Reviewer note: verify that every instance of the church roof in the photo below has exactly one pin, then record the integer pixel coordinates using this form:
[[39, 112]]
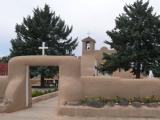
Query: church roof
[[88, 39]]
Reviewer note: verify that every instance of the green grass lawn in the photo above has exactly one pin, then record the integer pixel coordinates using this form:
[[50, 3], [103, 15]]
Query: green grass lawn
[[39, 92]]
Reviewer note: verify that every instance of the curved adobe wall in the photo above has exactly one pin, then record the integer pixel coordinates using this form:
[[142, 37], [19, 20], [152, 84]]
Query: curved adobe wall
[[69, 86]]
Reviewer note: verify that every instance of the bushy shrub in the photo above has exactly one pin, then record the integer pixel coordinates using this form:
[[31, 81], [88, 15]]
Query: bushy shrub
[[36, 93], [97, 102]]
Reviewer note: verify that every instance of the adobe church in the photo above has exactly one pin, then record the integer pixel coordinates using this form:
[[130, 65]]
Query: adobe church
[[91, 58]]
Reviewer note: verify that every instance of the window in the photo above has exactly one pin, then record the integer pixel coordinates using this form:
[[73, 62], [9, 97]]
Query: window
[[88, 46]]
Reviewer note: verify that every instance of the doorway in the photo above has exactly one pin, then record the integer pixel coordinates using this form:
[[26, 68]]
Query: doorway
[[42, 80]]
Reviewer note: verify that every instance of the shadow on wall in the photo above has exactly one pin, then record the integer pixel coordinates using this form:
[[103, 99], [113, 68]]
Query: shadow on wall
[[3, 86]]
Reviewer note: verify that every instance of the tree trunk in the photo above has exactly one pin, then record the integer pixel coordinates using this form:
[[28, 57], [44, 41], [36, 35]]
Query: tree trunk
[[138, 72], [42, 81], [138, 75]]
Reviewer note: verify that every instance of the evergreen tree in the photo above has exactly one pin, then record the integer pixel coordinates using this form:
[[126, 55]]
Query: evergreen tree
[[4, 59], [43, 26], [136, 39]]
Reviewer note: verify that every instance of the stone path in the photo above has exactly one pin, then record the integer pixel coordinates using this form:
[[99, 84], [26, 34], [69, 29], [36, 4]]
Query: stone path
[[46, 110]]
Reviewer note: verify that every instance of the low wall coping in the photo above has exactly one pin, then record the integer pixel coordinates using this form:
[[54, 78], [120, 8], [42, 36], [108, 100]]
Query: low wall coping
[[107, 111]]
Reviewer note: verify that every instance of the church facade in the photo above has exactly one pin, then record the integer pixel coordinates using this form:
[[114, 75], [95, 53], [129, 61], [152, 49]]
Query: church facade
[[91, 58]]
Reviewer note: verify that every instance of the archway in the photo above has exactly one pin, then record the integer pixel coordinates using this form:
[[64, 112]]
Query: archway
[[17, 93]]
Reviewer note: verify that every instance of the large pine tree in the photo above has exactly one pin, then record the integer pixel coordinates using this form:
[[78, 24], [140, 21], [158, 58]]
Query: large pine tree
[[43, 26], [136, 38]]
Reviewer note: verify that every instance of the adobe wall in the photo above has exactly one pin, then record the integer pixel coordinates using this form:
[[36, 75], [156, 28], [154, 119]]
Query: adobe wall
[[124, 74], [3, 85], [87, 65], [112, 86], [70, 85]]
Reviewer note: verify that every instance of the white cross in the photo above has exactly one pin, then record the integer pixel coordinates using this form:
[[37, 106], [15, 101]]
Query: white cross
[[43, 48]]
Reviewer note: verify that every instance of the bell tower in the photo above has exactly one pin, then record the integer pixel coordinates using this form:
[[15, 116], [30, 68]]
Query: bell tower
[[88, 46]]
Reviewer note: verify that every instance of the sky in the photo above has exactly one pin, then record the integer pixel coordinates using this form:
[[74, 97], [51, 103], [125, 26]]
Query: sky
[[94, 16]]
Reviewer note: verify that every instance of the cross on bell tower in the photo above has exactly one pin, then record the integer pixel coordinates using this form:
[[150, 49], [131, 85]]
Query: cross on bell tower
[[88, 33]]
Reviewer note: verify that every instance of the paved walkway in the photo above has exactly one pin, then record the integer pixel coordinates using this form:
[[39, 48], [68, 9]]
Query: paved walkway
[[46, 110]]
